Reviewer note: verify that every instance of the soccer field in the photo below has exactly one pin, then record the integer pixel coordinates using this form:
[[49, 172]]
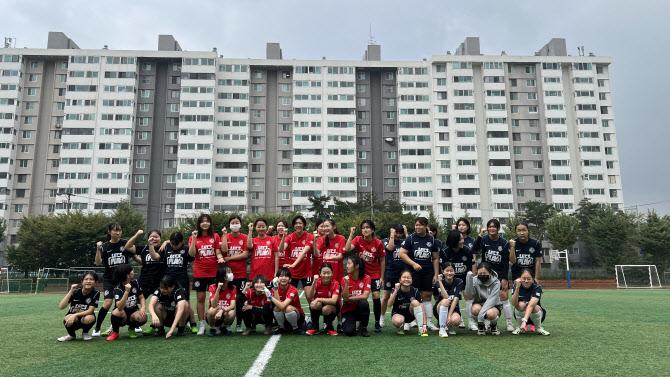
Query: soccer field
[[592, 333]]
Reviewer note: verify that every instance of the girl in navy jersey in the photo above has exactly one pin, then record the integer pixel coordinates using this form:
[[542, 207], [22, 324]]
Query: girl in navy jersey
[[463, 226], [420, 252], [372, 251], [525, 252], [257, 310], [496, 251], [463, 260], [407, 306], [355, 292], [130, 307], [83, 302], [485, 288], [110, 254], [394, 264], [235, 254], [286, 305], [526, 295], [326, 300], [169, 306], [222, 300], [204, 247], [152, 270], [446, 306]]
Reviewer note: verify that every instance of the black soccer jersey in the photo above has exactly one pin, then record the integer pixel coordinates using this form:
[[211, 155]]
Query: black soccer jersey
[[462, 260], [469, 242], [113, 255], [404, 299], [169, 302], [421, 251], [176, 261], [525, 295], [133, 296], [152, 270], [525, 255], [80, 303], [394, 265], [496, 253], [453, 290]]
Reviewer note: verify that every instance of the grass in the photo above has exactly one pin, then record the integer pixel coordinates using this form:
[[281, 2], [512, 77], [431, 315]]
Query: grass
[[593, 332]]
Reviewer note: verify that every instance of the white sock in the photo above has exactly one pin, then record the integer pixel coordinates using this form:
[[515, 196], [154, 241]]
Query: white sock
[[519, 317], [428, 308], [419, 316], [537, 319], [279, 316], [444, 313], [507, 310], [292, 318], [468, 309], [202, 323]]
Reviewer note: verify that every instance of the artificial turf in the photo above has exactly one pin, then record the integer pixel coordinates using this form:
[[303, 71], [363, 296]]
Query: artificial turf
[[593, 332]]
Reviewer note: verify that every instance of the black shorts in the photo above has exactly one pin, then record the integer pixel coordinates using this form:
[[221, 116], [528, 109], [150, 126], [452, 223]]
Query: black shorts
[[375, 285], [202, 284], [239, 285], [389, 283], [108, 287], [409, 316], [169, 318], [422, 282], [304, 282], [148, 287]]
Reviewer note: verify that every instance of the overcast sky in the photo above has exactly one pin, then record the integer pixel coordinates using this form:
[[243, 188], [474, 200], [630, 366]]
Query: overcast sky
[[630, 32]]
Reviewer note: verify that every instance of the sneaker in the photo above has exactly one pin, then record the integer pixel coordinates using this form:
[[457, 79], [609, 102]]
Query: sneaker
[[113, 336], [531, 328], [312, 332], [401, 330], [194, 330], [406, 327], [149, 331], [542, 331], [308, 322], [267, 331], [331, 332], [298, 331], [494, 329], [108, 332], [378, 327], [228, 328], [219, 330], [223, 331], [132, 334], [462, 324], [413, 324], [381, 322], [66, 338], [510, 327], [238, 328], [212, 332], [516, 331], [443, 332], [432, 327], [339, 328], [138, 330], [86, 336], [473, 327], [451, 331], [160, 332], [279, 331], [481, 329], [96, 333], [246, 332], [423, 334], [364, 332], [201, 330]]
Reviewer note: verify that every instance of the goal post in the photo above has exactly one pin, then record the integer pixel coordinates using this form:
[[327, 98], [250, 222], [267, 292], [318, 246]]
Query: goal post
[[557, 255], [639, 276], [52, 280], [4, 276]]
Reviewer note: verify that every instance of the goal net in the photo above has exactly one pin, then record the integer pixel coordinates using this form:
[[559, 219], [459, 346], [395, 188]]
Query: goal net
[[59, 280], [14, 282], [4, 274], [637, 276]]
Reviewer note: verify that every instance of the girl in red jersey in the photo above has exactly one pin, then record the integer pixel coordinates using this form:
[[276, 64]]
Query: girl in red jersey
[[299, 245], [222, 300], [257, 309], [235, 254], [204, 246], [331, 248], [264, 257], [326, 302], [286, 305], [355, 292], [371, 250], [318, 232]]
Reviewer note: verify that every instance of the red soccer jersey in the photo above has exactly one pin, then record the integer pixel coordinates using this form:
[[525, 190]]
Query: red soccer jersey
[[205, 256], [335, 248], [262, 258], [255, 300], [370, 254], [226, 296], [291, 293], [284, 255], [236, 246], [327, 291], [296, 246], [356, 288]]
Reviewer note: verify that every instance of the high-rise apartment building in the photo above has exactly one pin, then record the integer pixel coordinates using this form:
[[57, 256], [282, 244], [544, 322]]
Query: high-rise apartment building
[[181, 132]]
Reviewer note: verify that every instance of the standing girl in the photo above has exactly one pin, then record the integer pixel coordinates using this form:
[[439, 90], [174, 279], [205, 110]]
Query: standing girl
[[355, 292], [222, 300], [326, 302], [111, 254], [152, 270], [204, 247], [236, 256], [371, 250], [484, 288], [131, 306], [299, 248], [264, 257], [394, 265], [526, 252], [83, 302], [331, 249], [446, 307], [407, 305]]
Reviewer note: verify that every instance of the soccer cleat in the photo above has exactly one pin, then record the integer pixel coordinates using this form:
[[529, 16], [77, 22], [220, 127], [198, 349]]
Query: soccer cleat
[[194, 329], [531, 328], [331, 332], [432, 327], [462, 324], [481, 329], [228, 328], [510, 327], [473, 327], [298, 331], [451, 331], [422, 334], [218, 330], [413, 324], [364, 332], [443, 332], [312, 332], [149, 331], [212, 332], [201, 330], [542, 331], [108, 332], [381, 322], [494, 329], [238, 328], [160, 331], [132, 334], [279, 331], [113, 336], [138, 330], [96, 333], [267, 331], [66, 338], [516, 331], [246, 332], [378, 327], [86, 336], [401, 331]]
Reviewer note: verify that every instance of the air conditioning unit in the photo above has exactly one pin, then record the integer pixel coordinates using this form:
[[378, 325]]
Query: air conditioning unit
[[59, 125]]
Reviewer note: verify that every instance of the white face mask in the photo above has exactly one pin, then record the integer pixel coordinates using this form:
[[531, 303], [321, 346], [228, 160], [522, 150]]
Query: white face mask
[[229, 277], [235, 227]]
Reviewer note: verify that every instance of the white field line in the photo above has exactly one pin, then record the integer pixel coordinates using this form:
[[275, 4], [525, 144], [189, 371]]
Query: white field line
[[263, 358]]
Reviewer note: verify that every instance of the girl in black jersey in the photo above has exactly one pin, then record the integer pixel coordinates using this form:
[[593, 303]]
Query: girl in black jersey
[[83, 302], [169, 307], [111, 254], [447, 307], [407, 305], [152, 270], [130, 304], [526, 295]]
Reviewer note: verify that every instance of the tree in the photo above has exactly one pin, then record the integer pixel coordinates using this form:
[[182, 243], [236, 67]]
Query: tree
[[3, 229], [536, 215], [319, 207], [562, 231], [610, 237], [655, 239], [584, 214], [130, 218]]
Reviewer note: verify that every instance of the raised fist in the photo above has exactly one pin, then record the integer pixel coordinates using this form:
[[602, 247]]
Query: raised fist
[[251, 227], [194, 234], [128, 286], [99, 244], [224, 231], [219, 286], [453, 227], [353, 229], [483, 231], [397, 286], [440, 276], [405, 228], [140, 232], [73, 287], [316, 277], [247, 285], [392, 232], [512, 243], [517, 282], [346, 279]]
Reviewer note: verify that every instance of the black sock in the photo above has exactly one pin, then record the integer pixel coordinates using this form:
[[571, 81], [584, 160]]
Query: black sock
[[377, 308], [102, 313], [239, 304], [86, 327], [315, 313], [116, 323], [194, 325], [328, 320], [180, 329], [70, 330]]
